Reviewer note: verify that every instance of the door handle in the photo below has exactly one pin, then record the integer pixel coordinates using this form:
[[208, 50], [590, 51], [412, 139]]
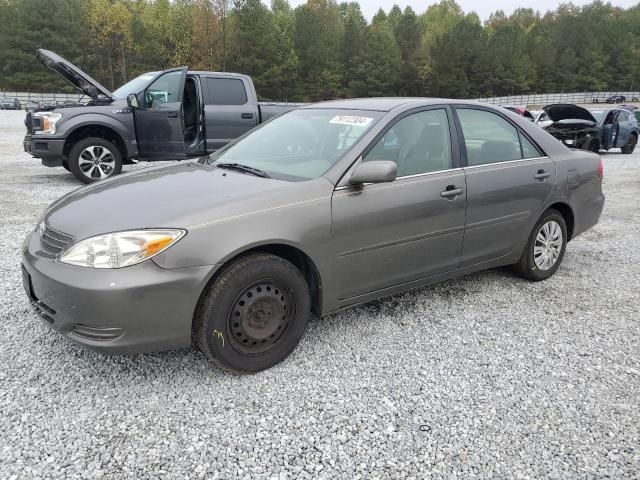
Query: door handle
[[451, 192], [172, 114], [541, 175], [246, 116]]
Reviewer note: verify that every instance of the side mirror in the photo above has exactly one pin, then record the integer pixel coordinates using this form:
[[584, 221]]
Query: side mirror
[[132, 100], [378, 171]]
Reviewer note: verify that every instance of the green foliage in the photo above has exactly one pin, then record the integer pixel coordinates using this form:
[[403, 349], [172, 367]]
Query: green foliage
[[323, 49]]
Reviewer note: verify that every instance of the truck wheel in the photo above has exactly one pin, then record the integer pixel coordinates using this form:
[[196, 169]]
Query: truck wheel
[[65, 165], [254, 314], [93, 159], [630, 146]]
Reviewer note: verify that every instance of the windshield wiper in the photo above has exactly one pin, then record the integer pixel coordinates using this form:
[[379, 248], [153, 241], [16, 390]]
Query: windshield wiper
[[244, 168]]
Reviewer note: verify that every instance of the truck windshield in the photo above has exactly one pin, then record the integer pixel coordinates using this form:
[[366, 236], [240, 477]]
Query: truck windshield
[[301, 144], [135, 85]]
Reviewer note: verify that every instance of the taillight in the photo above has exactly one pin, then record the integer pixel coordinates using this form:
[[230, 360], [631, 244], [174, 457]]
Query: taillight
[[601, 170]]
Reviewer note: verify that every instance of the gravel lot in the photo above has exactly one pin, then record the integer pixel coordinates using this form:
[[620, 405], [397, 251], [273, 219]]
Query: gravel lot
[[487, 376]]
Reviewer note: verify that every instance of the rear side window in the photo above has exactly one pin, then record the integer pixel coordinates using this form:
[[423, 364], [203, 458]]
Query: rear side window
[[489, 138], [623, 116], [225, 91]]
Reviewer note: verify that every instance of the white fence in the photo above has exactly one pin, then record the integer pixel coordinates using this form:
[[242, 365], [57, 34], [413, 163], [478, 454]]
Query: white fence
[[541, 100], [29, 99]]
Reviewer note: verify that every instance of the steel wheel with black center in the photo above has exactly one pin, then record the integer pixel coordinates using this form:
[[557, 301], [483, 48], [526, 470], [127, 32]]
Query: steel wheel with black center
[[254, 313]]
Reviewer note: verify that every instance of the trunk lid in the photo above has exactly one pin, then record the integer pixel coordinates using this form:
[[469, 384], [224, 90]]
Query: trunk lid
[[74, 75]]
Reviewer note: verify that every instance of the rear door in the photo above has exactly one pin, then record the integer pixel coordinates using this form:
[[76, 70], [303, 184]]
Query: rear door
[[508, 181], [158, 117], [229, 110], [391, 233]]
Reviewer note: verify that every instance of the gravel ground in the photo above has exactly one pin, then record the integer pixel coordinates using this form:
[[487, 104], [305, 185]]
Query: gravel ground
[[487, 376]]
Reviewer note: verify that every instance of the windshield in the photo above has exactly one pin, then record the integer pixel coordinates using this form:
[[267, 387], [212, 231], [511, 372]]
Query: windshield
[[135, 85], [597, 114], [301, 144]]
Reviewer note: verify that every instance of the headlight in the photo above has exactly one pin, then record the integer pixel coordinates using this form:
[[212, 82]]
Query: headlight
[[48, 122], [120, 249]]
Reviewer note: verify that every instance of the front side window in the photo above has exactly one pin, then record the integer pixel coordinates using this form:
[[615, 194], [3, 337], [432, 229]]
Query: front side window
[[165, 89], [489, 138], [418, 143], [301, 144], [226, 91]]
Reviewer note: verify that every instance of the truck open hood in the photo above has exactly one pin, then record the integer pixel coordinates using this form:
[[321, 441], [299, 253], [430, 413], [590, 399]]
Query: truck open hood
[[567, 111], [74, 75]]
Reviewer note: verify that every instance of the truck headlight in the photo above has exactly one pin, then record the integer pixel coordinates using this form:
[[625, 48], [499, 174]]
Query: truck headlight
[[120, 249], [48, 122]]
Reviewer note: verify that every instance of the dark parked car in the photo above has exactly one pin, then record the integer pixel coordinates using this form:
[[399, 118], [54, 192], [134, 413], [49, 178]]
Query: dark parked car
[[594, 130], [10, 104], [166, 115], [616, 99], [322, 208]]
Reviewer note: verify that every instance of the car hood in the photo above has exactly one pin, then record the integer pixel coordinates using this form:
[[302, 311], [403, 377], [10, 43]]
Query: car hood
[[74, 75], [186, 195], [566, 111]]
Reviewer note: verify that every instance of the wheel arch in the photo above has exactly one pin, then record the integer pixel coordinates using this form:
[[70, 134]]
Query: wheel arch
[[288, 252], [567, 213], [95, 130]]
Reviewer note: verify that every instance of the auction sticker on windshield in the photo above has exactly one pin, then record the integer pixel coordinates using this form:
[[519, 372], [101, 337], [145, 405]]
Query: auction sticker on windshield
[[351, 120]]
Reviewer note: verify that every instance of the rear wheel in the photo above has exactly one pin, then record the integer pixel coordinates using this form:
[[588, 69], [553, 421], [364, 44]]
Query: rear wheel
[[545, 247], [93, 159], [254, 314], [630, 146]]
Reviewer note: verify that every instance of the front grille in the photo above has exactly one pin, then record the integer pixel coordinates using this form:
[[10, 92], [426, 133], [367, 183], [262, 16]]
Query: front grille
[[28, 122], [53, 242]]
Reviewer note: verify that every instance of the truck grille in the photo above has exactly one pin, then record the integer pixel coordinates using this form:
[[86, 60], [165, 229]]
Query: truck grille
[[54, 242]]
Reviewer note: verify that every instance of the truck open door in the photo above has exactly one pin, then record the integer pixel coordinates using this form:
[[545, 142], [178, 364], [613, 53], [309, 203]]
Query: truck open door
[[157, 112]]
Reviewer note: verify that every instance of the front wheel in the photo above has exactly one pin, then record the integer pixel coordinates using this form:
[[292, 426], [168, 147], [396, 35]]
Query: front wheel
[[545, 248], [630, 146], [254, 314], [93, 159]]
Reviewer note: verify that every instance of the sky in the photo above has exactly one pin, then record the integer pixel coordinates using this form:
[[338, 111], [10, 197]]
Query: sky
[[482, 8]]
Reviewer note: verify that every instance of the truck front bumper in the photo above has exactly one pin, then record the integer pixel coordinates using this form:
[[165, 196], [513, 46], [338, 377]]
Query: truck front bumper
[[142, 308], [49, 150]]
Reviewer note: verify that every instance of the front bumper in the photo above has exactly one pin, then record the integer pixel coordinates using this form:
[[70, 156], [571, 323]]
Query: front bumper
[[142, 308], [50, 150]]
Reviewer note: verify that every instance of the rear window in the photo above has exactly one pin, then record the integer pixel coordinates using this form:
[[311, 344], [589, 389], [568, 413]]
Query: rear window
[[225, 91]]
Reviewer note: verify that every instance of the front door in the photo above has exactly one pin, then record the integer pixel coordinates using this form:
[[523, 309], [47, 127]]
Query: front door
[[228, 110], [392, 233], [610, 132], [625, 127], [158, 117], [508, 181]]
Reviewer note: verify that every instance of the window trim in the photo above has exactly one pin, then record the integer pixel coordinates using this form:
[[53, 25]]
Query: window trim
[[463, 148]]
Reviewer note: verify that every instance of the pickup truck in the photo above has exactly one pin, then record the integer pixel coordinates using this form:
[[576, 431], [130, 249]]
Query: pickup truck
[[169, 115]]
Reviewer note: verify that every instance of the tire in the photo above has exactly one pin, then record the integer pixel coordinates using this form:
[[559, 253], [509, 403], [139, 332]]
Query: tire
[[84, 155], [254, 314], [630, 146], [537, 269], [65, 165]]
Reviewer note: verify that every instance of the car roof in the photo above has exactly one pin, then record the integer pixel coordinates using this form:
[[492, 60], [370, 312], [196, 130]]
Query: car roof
[[386, 104]]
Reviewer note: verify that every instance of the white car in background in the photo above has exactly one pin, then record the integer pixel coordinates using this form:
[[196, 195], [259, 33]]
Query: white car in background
[[541, 118]]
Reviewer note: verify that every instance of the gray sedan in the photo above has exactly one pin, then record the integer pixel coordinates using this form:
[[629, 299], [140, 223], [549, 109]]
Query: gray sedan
[[322, 208]]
